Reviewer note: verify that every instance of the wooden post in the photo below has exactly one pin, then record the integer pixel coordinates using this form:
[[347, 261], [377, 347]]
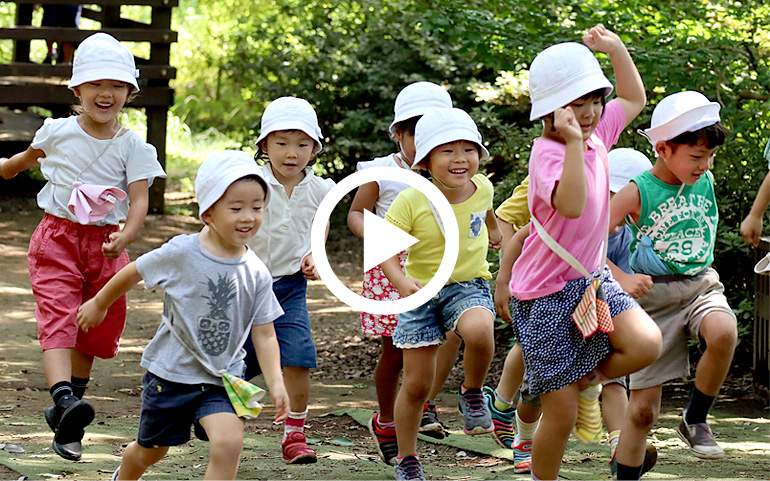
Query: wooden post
[[156, 135], [23, 17]]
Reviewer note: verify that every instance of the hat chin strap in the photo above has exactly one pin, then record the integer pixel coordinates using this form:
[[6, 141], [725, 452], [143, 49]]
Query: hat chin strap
[[433, 177]]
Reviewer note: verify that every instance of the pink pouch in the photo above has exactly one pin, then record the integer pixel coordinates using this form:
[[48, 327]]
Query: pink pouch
[[91, 203]]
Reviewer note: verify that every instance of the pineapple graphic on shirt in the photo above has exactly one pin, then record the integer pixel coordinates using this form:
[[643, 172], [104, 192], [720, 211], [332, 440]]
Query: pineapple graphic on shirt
[[214, 329]]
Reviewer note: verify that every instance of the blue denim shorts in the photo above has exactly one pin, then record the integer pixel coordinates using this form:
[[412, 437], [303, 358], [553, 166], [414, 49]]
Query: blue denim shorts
[[427, 324], [170, 409]]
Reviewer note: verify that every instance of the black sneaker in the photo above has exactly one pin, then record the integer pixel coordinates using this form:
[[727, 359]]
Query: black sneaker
[[429, 424], [700, 439], [384, 439], [67, 420]]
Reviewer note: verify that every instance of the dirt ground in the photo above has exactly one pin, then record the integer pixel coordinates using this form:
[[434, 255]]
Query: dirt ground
[[342, 394]]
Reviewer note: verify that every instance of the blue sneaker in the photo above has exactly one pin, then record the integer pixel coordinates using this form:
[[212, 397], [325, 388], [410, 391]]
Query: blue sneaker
[[408, 469], [476, 417], [503, 420]]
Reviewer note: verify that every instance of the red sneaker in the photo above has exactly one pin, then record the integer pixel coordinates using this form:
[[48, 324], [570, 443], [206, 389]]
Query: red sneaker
[[296, 450]]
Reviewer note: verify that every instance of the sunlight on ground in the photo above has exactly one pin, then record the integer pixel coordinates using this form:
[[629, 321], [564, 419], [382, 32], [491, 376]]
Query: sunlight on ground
[[14, 290]]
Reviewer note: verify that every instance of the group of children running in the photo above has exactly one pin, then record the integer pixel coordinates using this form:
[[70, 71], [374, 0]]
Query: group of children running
[[601, 293]]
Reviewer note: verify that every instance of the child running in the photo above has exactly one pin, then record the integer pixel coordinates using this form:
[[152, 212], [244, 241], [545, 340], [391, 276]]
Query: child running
[[674, 219], [291, 138], [568, 198], [217, 292], [412, 102], [449, 148], [89, 162]]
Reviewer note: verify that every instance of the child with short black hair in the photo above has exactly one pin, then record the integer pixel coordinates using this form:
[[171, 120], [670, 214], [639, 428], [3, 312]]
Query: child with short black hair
[[674, 220], [217, 292]]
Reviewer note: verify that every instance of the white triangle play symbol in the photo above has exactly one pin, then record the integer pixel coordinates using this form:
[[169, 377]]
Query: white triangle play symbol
[[382, 240]]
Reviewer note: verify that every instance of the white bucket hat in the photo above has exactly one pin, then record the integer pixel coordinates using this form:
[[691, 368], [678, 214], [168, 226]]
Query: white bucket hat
[[678, 113], [441, 126], [625, 164], [562, 73], [101, 57], [416, 99], [290, 113], [219, 171]]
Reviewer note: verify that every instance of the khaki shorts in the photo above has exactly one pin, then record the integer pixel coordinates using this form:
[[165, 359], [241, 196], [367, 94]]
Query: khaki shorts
[[678, 308]]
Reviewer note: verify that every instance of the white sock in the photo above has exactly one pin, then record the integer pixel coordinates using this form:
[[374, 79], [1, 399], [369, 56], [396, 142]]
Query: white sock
[[525, 431]]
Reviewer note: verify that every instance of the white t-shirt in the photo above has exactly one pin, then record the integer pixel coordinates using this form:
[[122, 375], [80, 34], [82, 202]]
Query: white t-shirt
[[389, 189], [68, 151], [283, 240]]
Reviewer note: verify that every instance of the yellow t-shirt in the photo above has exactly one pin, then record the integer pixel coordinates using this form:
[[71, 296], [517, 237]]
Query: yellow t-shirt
[[411, 213], [514, 210]]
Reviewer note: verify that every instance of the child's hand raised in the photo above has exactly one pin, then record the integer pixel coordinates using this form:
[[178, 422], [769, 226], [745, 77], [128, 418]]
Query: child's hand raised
[[599, 39], [566, 124]]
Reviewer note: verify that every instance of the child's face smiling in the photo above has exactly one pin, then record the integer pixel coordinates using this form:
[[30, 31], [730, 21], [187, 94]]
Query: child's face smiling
[[683, 164], [102, 100], [588, 112], [289, 152], [454, 163], [235, 218]]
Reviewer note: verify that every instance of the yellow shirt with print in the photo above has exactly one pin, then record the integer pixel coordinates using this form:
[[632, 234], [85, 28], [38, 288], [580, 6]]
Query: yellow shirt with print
[[515, 210], [411, 213]]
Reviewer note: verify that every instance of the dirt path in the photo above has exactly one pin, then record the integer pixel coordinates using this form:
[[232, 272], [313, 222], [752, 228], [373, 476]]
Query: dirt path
[[343, 381]]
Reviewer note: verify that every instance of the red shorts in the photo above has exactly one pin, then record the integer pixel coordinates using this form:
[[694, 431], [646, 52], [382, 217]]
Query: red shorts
[[66, 268]]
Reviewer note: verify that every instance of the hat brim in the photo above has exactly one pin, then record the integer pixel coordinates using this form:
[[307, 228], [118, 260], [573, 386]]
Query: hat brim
[[292, 125], [94, 74], [565, 96], [451, 135], [689, 121]]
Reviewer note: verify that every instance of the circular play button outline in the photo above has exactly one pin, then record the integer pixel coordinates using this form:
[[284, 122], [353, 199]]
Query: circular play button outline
[[446, 217]]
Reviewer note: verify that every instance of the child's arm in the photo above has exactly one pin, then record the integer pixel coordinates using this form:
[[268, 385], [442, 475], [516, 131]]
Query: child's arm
[[569, 195], [511, 252], [308, 264], [751, 227], [628, 83], [627, 202], [139, 197], [495, 234], [92, 312], [269, 357], [365, 198], [20, 162], [406, 285]]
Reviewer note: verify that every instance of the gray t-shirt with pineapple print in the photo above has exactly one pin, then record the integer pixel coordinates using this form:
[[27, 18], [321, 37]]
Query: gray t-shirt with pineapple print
[[210, 302]]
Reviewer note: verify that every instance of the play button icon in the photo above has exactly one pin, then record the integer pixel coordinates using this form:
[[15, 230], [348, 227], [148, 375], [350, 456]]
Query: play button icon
[[382, 240]]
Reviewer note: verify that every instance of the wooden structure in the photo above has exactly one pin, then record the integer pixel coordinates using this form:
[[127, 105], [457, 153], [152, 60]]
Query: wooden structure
[[24, 83]]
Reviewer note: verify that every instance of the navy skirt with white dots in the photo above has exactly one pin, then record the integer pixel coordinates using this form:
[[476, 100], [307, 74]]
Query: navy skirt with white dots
[[555, 352]]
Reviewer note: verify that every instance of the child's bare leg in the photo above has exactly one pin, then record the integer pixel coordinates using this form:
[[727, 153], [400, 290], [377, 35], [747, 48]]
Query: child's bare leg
[[81, 364], [614, 405], [513, 373], [475, 326], [720, 334], [386, 375], [445, 361], [57, 365], [419, 372], [225, 432], [559, 416], [137, 459], [641, 414], [636, 344], [297, 381]]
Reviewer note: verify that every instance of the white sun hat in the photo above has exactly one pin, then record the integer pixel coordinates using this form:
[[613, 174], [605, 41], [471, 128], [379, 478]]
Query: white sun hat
[[562, 73], [678, 113], [102, 57], [219, 171], [290, 113], [625, 164], [441, 126], [416, 99]]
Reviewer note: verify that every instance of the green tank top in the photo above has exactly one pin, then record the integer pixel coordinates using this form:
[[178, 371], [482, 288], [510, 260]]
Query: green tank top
[[681, 225]]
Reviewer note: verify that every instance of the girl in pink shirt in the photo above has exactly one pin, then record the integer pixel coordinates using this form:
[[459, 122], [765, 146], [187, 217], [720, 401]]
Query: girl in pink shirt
[[569, 201]]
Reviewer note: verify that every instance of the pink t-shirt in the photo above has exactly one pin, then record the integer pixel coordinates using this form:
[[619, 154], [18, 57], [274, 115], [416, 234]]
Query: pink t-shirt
[[539, 271]]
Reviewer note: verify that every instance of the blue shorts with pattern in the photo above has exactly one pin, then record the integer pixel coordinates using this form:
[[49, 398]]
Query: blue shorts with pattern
[[427, 324], [555, 352]]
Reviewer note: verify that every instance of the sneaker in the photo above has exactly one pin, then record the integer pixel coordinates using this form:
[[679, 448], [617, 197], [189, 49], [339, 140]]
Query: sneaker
[[476, 417], [67, 420], [408, 468], [429, 424], [522, 456], [384, 439], [296, 450], [650, 458], [700, 439], [588, 427], [502, 420]]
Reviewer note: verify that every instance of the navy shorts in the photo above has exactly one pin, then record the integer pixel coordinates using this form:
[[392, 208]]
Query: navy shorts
[[170, 409], [292, 329]]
